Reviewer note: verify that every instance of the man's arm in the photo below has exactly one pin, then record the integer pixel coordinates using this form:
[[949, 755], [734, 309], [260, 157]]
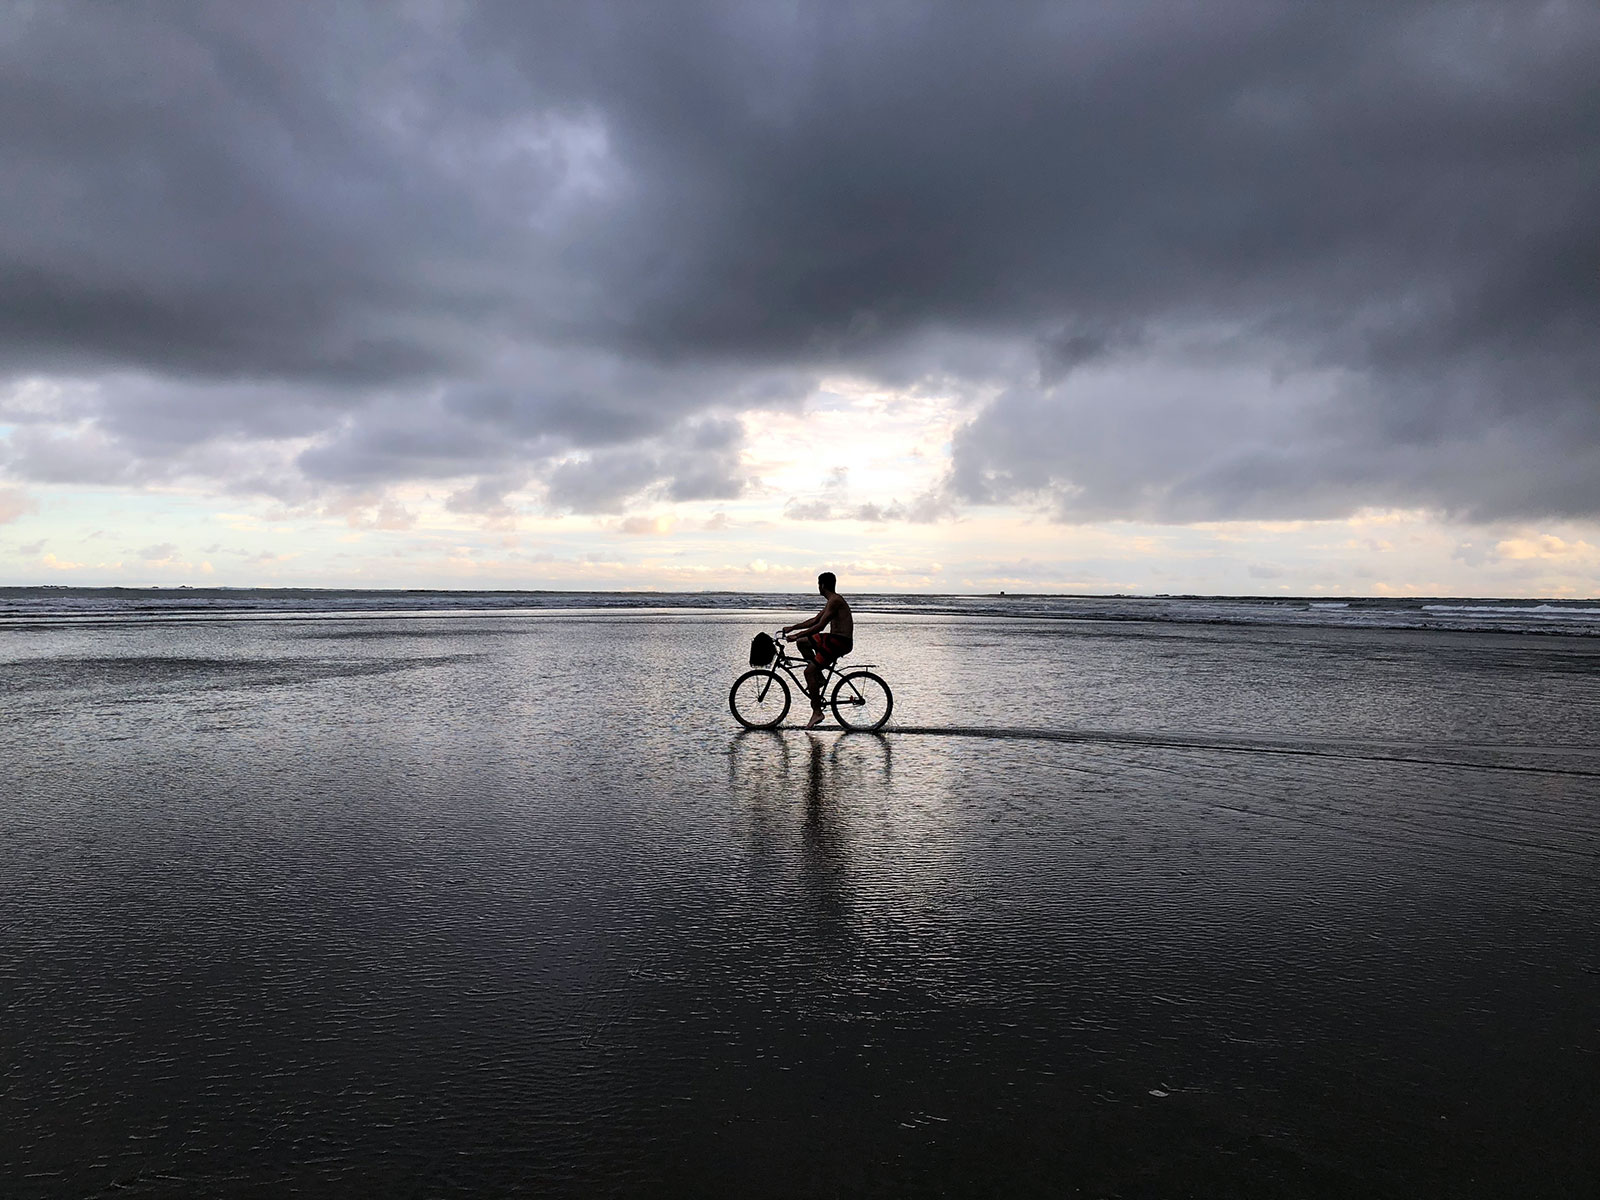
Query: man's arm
[[811, 625]]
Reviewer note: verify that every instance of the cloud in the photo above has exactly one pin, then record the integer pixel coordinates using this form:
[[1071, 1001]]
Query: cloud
[[1187, 262], [696, 461], [1188, 440], [366, 512], [14, 502], [161, 553], [808, 510], [833, 502], [1546, 547], [486, 497], [393, 516], [822, 510]]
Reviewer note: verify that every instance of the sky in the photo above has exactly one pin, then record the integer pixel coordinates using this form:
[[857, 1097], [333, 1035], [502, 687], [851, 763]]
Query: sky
[[1153, 297]]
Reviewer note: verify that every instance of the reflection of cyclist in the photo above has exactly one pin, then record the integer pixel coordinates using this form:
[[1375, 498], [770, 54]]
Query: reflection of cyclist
[[821, 648]]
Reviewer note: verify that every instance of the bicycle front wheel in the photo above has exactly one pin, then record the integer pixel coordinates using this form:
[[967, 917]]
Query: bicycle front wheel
[[862, 701], [759, 699]]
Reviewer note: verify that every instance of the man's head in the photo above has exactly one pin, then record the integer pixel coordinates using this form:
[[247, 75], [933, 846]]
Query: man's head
[[825, 583]]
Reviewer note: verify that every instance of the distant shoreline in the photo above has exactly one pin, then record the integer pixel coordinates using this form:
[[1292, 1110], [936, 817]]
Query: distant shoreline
[[43, 606]]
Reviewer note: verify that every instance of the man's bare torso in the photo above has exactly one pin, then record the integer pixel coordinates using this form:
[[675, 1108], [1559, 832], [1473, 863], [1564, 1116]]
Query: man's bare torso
[[839, 617]]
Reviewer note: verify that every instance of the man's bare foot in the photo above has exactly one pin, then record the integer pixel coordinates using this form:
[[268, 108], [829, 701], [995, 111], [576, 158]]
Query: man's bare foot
[[816, 718]]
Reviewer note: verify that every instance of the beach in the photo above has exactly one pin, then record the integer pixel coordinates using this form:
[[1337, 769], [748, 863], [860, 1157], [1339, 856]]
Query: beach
[[460, 897]]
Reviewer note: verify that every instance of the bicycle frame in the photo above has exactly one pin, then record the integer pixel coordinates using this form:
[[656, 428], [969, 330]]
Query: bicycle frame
[[787, 662]]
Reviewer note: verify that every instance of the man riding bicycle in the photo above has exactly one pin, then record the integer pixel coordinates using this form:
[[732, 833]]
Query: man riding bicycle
[[821, 648]]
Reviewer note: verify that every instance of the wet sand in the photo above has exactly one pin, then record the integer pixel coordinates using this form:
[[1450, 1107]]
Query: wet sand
[[508, 904]]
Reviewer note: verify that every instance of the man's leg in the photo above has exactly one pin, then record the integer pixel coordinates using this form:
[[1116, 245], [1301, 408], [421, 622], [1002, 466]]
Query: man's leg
[[813, 676], [814, 686]]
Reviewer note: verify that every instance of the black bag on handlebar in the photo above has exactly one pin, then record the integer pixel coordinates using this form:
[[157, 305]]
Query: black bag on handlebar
[[762, 650]]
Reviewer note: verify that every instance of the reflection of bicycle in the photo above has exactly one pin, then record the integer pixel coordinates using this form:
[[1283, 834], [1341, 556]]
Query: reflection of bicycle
[[760, 698]]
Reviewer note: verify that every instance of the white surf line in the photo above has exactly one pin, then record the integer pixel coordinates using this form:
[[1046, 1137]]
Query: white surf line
[[1159, 741]]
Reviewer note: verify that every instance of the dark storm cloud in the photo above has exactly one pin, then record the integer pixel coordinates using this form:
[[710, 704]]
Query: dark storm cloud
[[1267, 259]]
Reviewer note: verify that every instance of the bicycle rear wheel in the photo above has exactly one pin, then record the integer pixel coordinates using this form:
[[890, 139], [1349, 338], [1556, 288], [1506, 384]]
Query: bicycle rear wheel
[[862, 701], [759, 699]]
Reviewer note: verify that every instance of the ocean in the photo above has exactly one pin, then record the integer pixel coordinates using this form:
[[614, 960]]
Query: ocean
[[332, 893], [1564, 616]]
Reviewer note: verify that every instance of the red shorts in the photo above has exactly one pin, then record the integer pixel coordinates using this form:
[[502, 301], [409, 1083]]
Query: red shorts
[[831, 646]]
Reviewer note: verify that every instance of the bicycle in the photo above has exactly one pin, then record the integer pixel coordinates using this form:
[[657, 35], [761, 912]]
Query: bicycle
[[760, 697]]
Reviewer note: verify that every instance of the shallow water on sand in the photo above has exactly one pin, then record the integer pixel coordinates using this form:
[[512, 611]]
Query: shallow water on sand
[[496, 904]]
